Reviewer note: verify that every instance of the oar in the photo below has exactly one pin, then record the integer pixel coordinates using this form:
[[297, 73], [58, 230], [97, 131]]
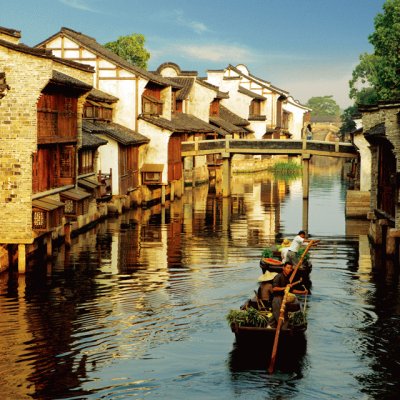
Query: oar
[[282, 309], [279, 326], [310, 244], [277, 331]]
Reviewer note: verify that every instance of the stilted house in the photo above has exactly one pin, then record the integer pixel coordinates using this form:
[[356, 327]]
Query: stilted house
[[117, 164], [138, 92], [381, 125], [198, 113], [271, 111], [41, 103]]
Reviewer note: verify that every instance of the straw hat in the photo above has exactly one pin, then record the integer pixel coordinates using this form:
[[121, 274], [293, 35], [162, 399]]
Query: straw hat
[[291, 298], [267, 276], [285, 243]]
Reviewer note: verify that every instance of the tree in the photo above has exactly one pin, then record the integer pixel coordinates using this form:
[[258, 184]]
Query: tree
[[379, 72], [324, 106], [131, 48], [347, 118]]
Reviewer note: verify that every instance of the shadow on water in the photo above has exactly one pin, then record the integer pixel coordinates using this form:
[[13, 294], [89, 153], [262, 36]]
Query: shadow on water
[[290, 359]]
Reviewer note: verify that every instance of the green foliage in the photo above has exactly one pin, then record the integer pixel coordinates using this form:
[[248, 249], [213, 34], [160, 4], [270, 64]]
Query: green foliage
[[131, 48], [297, 318], [249, 317], [267, 253], [324, 106], [285, 168], [379, 72], [348, 124], [300, 253]]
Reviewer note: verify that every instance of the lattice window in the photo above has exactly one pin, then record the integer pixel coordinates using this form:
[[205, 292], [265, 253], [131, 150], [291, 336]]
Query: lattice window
[[69, 207], [39, 219]]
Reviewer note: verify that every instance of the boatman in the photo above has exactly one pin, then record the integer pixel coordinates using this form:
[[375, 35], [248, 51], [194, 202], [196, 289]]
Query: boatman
[[292, 254], [278, 290]]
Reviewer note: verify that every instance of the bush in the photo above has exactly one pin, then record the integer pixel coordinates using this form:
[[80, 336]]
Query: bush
[[249, 317]]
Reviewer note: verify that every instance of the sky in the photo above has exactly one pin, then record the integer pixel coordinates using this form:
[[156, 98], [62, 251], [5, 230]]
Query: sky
[[306, 47]]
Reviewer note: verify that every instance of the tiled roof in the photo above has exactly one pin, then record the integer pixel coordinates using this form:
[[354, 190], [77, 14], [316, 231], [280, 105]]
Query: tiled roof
[[377, 130], [22, 48], [98, 95], [186, 83], [10, 32], [186, 122], [115, 131], [90, 141], [220, 95], [180, 122], [92, 45], [62, 79], [231, 117], [177, 69], [226, 125], [261, 82], [249, 93]]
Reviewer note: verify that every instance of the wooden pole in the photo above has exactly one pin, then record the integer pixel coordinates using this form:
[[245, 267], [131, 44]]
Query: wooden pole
[[282, 309], [278, 330]]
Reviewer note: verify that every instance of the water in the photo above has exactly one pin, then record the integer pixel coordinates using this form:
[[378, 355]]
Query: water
[[136, 308]]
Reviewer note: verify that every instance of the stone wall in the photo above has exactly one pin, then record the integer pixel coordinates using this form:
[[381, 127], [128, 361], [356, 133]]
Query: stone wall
[[26, 76]]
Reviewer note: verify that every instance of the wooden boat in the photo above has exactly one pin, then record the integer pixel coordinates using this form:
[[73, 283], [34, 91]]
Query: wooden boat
[[276, 265], [292, 329]]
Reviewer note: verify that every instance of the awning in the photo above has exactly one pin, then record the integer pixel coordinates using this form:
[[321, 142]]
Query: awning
[[152, 168], [88, 183], [75, 194], [47, 204]]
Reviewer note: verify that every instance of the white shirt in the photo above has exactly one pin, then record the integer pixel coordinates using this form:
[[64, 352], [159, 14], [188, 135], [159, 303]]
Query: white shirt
[[296, 243], [284, 253]]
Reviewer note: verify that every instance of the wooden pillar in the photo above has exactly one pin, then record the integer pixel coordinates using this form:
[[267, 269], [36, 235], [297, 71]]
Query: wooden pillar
[[67, 234], [226, 214], [306, 175], [172, 193], [21, 259], [49, 246], [226, 176], [163, 195], [305, 216]]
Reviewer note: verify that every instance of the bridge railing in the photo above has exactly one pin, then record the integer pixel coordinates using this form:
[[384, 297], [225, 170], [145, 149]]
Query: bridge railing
[[270, 146]]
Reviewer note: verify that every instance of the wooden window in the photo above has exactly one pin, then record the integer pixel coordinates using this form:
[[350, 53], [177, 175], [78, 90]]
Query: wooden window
[[179, 106], [57, 117], [67, 164], [151, 100], [174, 158], [92, 110], [86, 161], [152, 174], [255, 107], [39, 219], [214, 108], [151, 106]]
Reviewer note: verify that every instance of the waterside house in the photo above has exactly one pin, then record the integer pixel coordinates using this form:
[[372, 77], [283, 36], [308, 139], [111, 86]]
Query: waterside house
[[41, 104], [140, 93], [381, 125]]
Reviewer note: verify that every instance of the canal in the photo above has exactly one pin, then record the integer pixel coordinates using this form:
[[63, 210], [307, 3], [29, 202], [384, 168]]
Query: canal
[[136, 308]]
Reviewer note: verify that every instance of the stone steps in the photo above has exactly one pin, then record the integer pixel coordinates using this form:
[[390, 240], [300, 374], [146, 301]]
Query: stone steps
[[357, 204]]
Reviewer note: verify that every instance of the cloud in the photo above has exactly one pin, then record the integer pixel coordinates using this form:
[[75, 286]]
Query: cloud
[[204, 52], [195, 26], [79, 5]]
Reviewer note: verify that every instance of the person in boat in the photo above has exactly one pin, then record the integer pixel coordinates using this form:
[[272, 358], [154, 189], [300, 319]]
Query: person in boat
[[292, 253], [264, 292], [279, 284], [284, 248]]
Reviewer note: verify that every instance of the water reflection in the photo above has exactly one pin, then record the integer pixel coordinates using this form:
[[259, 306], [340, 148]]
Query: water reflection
[[136, 307]]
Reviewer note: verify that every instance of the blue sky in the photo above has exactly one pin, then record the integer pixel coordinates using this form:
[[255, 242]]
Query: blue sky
[[308, 47]]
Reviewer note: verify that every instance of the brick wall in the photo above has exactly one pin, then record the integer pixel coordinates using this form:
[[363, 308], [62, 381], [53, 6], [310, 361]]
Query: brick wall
[[387, 114], [26, 75]]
